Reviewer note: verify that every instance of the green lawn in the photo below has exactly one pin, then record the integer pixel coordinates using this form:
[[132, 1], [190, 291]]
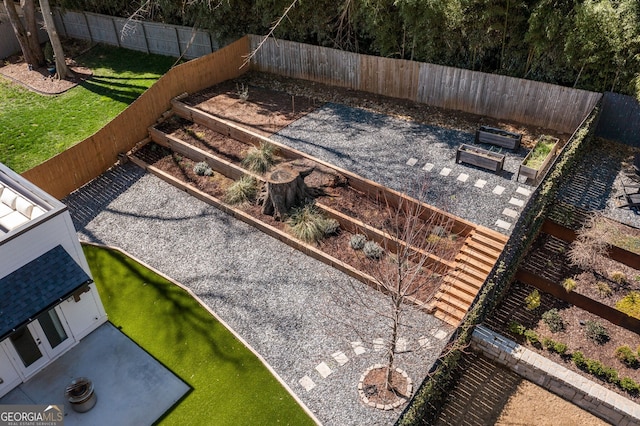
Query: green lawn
[[35, 127], [230, 385]]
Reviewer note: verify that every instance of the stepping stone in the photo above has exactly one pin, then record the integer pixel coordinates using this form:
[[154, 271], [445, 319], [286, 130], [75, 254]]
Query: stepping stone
[[445, 171], [402, 345], [358, 348], [323, 369], [502, 224], [378, 344], [423, 341], [440, 335], [340, 357], [510, 213], [498, 190], [523, 191], [412, 161], [516, 202], [428, 167], [307, 383], [480, 183], [463, 177]]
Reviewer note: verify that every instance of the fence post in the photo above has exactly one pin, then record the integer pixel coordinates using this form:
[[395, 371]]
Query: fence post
[[144, 33], [175, 29], [61, 18], [115, 30], [86, 22]]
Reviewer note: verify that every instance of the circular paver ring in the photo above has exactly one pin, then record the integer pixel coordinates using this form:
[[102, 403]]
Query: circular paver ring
[[397, 403]]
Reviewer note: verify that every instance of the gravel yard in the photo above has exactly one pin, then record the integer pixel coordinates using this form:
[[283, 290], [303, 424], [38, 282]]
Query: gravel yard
[[293, 310], [378, 147]]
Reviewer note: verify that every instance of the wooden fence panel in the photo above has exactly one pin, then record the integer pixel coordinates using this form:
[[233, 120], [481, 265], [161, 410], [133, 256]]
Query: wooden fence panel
[[508, 98], [85, 161]]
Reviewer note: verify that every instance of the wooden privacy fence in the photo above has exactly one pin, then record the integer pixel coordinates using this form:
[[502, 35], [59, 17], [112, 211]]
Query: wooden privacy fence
[[81, 163], [525, 101]]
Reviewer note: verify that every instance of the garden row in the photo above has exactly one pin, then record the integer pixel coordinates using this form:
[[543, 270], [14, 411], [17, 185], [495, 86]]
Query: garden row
[[230, 167]]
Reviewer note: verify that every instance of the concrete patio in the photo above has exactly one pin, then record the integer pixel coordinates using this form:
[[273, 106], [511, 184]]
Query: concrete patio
[[132, 388]]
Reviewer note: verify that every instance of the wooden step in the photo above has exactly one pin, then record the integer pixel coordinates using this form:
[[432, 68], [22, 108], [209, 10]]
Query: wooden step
[[488, 242], [478, 242], [469, 279], [471, 271], [490, 233], [455, 292], [454, 301], [449, 314], [477, 254], [464, 260], [452, 282]]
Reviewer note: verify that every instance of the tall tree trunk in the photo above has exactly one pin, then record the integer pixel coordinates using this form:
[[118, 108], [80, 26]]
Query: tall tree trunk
[[21, 34], [61, 65], [29, 9], [393, 342]]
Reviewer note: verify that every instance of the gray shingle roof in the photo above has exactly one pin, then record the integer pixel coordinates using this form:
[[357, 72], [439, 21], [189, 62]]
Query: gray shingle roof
[[36, 287]]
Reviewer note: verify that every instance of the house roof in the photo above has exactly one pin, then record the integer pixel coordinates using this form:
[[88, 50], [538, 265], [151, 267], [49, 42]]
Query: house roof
[[36, 287]]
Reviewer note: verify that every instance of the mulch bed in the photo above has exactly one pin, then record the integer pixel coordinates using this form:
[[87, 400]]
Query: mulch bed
[[513, 308]]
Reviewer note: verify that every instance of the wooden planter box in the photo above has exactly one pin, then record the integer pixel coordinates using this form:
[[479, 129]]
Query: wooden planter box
[[480, 157], [498, 137], [535, 173]]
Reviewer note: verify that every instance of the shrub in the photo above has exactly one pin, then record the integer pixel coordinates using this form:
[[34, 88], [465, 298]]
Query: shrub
[[331, 227], [553, 320], [533, 300], [604, 289], [373, 250], [202, 169], [629, 385], [516, 328], [618, 277], [532, 337], [579, 360], [560, 348], [630, 304], [307, 223], [433, 239], [548, 343], [569, 284], [626, 355], [260, 159], [242, 191], [596, 332], [357, 241]]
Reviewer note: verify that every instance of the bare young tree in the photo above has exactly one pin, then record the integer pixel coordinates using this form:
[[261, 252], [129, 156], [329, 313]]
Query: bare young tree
[[407, 266], [591, 245]]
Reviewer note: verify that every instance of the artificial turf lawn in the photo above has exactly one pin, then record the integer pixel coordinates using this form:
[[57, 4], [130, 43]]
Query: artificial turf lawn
[[34, 127], [230, 384]]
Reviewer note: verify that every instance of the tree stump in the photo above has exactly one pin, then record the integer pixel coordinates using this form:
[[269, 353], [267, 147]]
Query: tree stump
[[285, 188]]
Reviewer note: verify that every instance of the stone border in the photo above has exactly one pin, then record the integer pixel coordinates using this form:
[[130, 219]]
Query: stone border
[[571, 386], [397, 403]]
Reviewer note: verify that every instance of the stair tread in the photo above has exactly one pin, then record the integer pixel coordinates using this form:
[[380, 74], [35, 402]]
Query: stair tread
[[453, 293], [478, 254], [494, 235], [488, 242], [469, 279], [468, 288], [464, 261]]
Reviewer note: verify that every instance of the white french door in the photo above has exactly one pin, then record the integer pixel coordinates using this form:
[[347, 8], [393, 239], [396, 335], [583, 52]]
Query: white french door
[[38, 342]]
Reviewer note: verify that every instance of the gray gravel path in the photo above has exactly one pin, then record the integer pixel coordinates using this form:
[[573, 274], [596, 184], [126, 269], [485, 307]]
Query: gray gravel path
[[378, 147], [293, 310]]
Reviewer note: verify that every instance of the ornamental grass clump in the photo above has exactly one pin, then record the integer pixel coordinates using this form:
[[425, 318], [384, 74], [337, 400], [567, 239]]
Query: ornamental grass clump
[[309, 224], [533, 300], [260, 159], [242, 191], [202, 169], [569, 285], [357, 241], [626, 355], [373, 250]]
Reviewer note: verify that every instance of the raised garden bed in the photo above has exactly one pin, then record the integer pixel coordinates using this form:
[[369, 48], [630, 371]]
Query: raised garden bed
[[539, 157], [573, 334], [480, 157], [498, 137]]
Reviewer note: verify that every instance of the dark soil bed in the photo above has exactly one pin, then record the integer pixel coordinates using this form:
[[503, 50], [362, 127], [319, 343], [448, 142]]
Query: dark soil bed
[[513, 308]]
